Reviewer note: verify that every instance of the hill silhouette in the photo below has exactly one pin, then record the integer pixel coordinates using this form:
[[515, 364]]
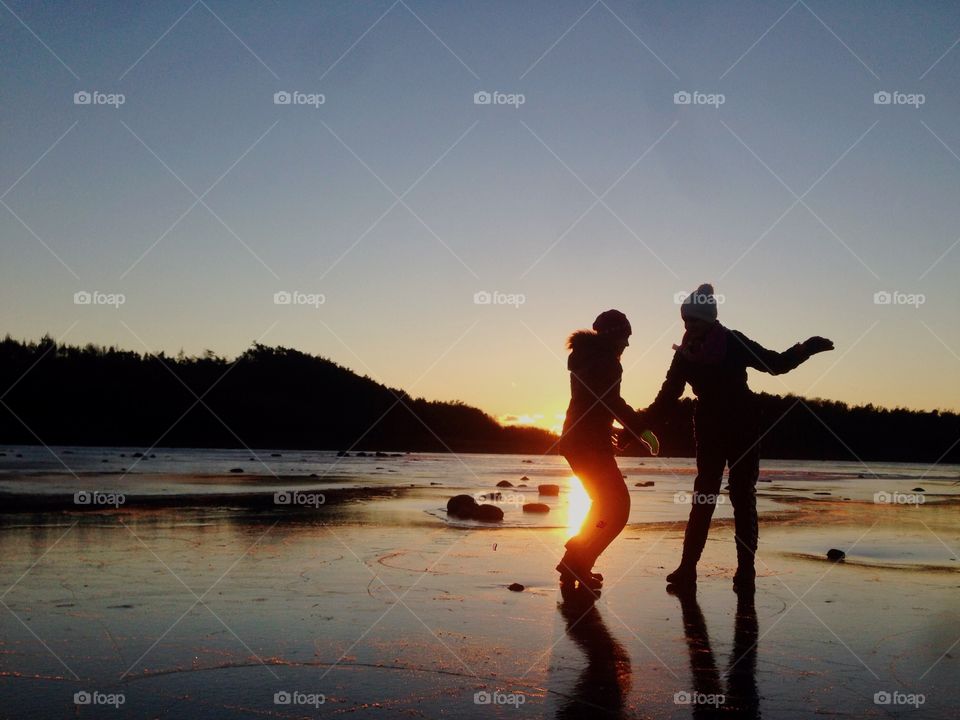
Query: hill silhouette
[[268, 397], [277, 397]]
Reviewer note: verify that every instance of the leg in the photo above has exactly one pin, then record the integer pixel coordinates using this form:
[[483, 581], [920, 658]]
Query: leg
[[744, 471], [609, 509], [608, 514], [710, 463]]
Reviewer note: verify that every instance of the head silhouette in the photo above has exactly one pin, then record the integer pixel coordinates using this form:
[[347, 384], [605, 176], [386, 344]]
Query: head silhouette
[[699, 311], [613, 325]]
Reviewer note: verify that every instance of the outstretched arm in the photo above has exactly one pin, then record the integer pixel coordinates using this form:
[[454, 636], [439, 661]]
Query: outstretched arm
[[666, 400], [646, 422], [778, 363]]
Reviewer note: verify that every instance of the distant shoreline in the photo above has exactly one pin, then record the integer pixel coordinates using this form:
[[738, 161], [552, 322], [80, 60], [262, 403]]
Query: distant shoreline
[[8, 452], [283, 398]]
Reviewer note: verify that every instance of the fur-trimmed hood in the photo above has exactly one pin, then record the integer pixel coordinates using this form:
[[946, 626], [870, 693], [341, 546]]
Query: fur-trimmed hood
[[588, 348]]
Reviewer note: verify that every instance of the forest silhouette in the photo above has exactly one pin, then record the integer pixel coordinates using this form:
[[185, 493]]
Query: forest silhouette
[[277, 397]]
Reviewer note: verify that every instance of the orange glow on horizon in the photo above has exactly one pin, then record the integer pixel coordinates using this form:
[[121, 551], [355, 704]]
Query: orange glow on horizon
[[553, 423]]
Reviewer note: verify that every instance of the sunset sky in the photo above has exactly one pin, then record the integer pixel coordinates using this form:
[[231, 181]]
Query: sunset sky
[[585, 184]]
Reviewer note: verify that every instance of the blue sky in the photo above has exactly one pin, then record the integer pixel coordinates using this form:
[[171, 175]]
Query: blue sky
[[398, 198]]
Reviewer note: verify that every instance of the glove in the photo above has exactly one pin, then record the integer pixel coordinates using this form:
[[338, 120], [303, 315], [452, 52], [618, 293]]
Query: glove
[[817, 344], [650, 440], [624, 438]]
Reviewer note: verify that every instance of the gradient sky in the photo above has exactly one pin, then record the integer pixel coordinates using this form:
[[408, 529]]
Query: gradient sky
[[798, 197]]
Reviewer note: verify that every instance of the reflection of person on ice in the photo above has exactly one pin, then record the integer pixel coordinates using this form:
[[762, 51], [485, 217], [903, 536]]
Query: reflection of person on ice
[[587, 444], [714, 360]]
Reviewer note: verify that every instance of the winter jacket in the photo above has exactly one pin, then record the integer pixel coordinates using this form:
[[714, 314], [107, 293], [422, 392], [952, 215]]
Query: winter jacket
[[721, 387], [595, 402]]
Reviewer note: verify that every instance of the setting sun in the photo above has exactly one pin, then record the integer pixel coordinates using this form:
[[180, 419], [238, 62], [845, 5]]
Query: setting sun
[[578, 505]]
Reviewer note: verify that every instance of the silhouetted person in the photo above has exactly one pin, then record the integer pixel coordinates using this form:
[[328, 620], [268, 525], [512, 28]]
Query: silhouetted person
[[714, 361], [741, 698], [587, 442], [604, 684]]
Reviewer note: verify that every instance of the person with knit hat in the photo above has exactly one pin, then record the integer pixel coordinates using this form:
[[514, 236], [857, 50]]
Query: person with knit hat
[[587, 443], [714, 361]]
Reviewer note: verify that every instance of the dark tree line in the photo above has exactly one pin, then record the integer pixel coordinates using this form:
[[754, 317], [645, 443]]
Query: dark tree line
[[814, 429], [276, 397], [268, 397]]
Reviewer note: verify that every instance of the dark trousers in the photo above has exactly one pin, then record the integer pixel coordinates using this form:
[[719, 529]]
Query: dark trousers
[[719, 443], [609, 509]]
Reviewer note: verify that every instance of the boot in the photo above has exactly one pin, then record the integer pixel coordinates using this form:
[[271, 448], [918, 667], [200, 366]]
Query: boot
[[684, 576], [573, 575], [578, 597], [745, 578], [694, 539]]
